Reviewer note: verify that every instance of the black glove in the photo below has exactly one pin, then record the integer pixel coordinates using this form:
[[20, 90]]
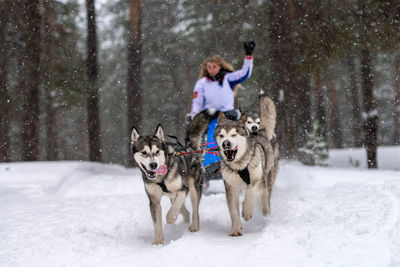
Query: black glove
[[249, 47], [233, 114]]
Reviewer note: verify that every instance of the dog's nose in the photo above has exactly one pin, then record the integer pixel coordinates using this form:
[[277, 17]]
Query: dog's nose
[[254, 128], [153, 165], [226, 144]]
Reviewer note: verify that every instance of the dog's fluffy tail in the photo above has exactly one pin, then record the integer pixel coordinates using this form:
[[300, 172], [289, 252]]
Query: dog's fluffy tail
[[268, 115]]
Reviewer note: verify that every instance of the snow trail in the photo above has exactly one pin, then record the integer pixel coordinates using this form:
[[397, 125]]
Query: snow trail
[[91, 214]]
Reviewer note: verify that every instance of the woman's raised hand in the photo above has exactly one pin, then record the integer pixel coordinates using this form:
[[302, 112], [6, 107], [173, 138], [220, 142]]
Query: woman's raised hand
[[249, 47]]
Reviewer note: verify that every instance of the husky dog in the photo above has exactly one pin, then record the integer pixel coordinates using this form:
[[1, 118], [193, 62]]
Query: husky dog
[[248, 162], [253, 122], [266, 126], [165, 173]]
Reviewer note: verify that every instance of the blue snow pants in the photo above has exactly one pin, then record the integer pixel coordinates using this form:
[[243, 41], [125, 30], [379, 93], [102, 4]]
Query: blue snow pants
[[211, 158]]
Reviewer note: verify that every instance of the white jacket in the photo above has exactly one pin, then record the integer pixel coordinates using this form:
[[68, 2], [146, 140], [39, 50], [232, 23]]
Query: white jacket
[[209, 94]]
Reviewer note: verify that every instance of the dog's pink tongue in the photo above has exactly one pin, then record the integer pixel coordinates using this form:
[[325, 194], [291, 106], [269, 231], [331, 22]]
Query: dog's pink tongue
[[162, 170]]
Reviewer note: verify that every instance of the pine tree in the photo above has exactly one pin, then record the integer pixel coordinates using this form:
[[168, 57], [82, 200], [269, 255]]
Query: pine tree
[[316, 150]]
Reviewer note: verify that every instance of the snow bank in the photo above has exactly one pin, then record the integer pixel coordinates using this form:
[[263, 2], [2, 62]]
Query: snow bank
[[90, 214]]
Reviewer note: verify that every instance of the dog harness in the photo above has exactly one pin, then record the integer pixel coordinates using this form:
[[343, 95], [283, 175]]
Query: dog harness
[[245, 175], [163, 187]]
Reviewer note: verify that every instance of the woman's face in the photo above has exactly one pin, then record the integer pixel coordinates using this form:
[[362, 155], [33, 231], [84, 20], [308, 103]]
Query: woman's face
[[213, 68]]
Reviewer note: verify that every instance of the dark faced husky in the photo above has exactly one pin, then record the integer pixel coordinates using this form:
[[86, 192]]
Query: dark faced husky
[[248, 162], [266, 125], [165, 173], [253, 122]]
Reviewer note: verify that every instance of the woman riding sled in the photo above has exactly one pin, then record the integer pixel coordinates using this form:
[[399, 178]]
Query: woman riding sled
[[215, 91]]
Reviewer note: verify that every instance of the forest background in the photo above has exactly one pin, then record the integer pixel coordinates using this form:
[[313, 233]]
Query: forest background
[[75, 76]]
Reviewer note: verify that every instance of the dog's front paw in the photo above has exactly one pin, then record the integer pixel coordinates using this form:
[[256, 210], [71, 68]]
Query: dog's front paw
[[158, 242], [246, 214], [266, 210], [194, 228], [236, 232], [171, 217]]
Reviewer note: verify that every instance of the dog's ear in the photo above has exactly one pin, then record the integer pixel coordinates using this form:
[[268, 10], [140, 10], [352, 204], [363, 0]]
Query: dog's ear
[[159, 133], [134, 135], [221, 117], [244, 117]]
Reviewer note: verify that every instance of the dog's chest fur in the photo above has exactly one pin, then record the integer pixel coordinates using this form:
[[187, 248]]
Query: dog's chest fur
[[253, 163], [174, 184]]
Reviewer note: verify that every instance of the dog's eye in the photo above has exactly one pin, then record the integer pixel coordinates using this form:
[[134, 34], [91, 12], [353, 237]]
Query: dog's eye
[[249, 122], [157, 152], [221, 136], [144, 153], [233, 135], [258, 122]]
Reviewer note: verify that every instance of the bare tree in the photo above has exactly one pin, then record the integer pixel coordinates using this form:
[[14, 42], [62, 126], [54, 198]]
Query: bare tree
[[355, 96], [4, 98], [281, 56], [48, 65], [304, 111], [335, 125], [320, 104], [396, 107], [31, 79], [176, 55], [371, 112], [134, 91], [366, 35], [93, 97]]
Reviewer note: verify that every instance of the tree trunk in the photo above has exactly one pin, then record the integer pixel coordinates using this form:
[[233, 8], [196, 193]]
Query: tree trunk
[[355, 96], [134, 91], [31, 80], [304, 111], [281, 56], [371, 113], [320, 105], [396, 107], [176, 56], [335, 125], [48, 64], [92, 73], [4, 98], [179, 103]]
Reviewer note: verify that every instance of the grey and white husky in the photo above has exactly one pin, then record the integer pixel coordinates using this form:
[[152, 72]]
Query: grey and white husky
[[248, 162], [165, 173]]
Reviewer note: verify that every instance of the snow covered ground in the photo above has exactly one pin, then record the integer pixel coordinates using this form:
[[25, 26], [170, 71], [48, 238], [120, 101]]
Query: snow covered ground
[[90, 214]]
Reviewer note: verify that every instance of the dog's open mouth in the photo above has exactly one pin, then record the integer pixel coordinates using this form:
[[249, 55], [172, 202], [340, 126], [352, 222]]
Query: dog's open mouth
[[151, 174], [230, 154]]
